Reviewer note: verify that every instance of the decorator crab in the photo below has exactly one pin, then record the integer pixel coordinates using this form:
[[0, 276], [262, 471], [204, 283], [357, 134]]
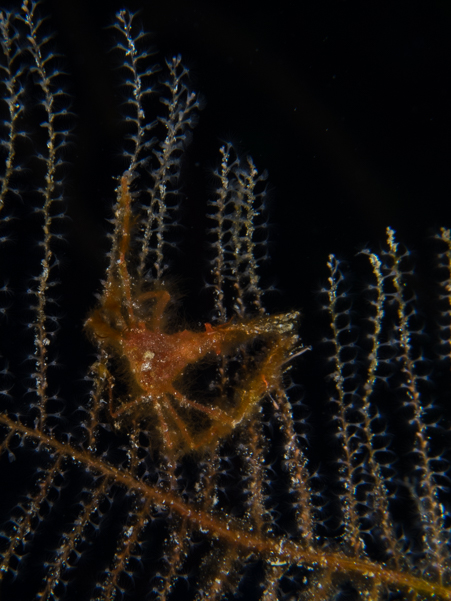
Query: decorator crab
[[233, 365]]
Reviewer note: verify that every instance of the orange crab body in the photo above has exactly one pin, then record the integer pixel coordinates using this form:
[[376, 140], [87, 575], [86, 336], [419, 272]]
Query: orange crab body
[[157, 361]]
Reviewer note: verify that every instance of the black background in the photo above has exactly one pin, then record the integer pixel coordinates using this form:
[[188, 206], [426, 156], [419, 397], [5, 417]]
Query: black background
[[346, 104]]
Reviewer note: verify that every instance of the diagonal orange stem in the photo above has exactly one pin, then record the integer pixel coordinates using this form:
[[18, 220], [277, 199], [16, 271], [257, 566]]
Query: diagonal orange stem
[[232, 532]]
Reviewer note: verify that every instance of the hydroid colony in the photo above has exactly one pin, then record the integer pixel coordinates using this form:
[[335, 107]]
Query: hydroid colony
[[183, 474]]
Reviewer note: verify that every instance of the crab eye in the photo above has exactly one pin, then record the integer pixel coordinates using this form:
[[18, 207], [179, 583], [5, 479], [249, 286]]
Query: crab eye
[[147, 361]]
